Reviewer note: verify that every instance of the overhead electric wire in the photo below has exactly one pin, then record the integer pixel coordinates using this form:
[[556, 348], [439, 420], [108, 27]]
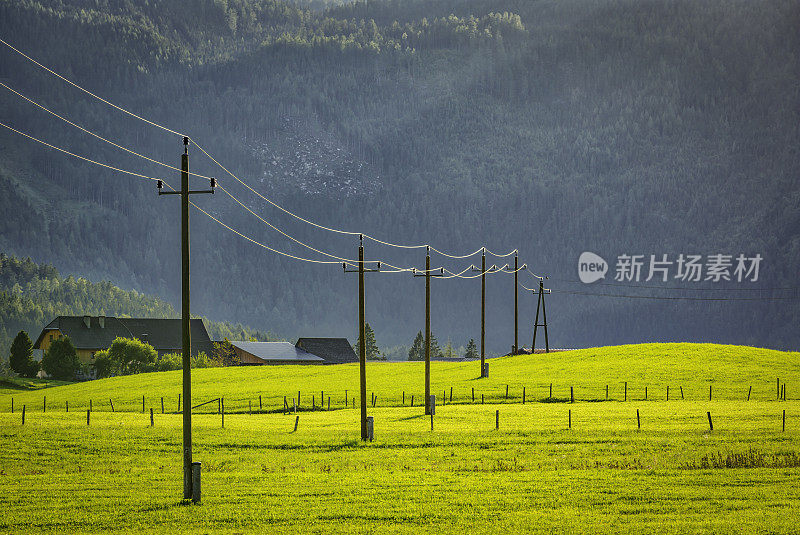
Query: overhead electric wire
[[152, 123], [680, 298], [540, 277], [98, 136], [256, 242], [101, 99], [78, 155], [330, 229], [173, 189], [656, 287]]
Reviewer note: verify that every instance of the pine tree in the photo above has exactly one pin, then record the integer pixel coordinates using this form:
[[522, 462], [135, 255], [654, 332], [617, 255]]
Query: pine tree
[[21, 359], [448, 352], [436, 351], [373, 352], [417, 351], [472, 350]]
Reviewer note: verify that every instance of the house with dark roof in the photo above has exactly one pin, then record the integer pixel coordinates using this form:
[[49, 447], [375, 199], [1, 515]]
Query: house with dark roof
[[305, 351], [90, 334], [255, 353], [332, 350]]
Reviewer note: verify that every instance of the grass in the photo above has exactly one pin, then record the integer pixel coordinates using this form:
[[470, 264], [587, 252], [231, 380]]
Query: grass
[[534, 474], [729, 370]]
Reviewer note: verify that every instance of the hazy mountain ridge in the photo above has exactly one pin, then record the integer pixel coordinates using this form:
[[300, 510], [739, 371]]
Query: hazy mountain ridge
[[617, 127]]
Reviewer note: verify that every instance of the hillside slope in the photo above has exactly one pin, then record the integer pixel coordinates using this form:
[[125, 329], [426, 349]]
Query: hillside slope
[[32, 295], [551, 126], [688, 369]]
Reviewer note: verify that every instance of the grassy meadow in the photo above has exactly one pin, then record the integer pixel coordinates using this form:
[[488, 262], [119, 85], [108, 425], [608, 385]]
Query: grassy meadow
[[533, 474]]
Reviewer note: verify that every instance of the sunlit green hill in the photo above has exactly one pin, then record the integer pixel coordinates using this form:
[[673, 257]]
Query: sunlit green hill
[[688, 369]]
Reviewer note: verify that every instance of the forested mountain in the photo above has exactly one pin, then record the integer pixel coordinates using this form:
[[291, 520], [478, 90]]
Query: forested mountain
[[32, 295], [551, 126]]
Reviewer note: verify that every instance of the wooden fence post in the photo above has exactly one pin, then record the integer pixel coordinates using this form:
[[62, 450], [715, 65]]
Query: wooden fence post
[[162, 404], [638, 421], [412, 400], [784, 421], [451, 394], [749, 391], [571, 395], [667, 392], [110, 402], [626, 392], [260, 406], [710, 423], [481, 399], [345, 398], [473, 394], [497, 419], [44, 404], [250, 407], [23, 414], [296, 421], [222, 413], [329, 403], [709, 392], [570, 418], [645, 393], [12, 405], [523, 395], [152, 421], [606, 392], [142, 403], [88, 415], [681, 392], [67, 405], [551, 390], [506, 391]]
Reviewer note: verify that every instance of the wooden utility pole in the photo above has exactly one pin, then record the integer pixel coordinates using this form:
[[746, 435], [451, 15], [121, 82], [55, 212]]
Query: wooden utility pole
[[540, 303], [362, 348], [185, 314], [515, 347], [428, 276], [483, 310]]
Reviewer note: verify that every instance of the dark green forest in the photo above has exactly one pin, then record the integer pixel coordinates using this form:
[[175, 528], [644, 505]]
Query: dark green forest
[[553, 127], [32, 295]]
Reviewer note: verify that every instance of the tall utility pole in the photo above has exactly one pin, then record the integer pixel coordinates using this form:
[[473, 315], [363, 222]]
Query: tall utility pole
[[540, 302], [483, 310], [428, 276], [186, 334], [362, 347], [515, 347]]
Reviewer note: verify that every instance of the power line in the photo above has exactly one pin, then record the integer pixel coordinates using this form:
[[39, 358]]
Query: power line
[[679, 298], [173, 189], [101, 99], [78, 155], [655, 287], [98, 136], [152, 123]]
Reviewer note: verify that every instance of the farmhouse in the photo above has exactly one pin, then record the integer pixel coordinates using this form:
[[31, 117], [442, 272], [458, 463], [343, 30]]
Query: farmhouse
[[90, 334], [305, 351]]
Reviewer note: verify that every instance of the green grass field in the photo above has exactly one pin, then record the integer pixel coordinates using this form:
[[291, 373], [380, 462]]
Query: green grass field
[[534, 474]]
